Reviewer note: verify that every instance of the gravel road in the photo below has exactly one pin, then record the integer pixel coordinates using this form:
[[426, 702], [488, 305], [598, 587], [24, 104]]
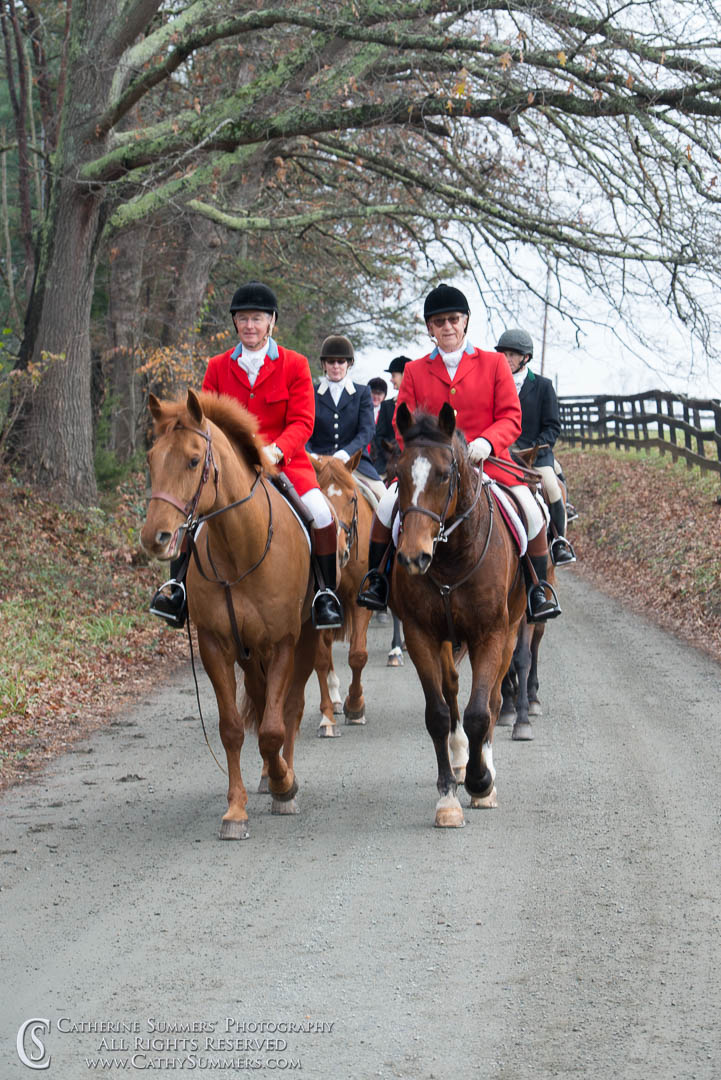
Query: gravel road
[[574, 931]]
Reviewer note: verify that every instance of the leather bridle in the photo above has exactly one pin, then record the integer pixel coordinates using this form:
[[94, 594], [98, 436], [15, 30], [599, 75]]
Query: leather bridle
[[444, 588], [188, 509], [444, 531]]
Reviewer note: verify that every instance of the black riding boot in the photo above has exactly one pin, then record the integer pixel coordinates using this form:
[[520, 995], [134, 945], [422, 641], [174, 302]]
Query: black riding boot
[[170, 601], [327, 610], [562, 553], [538, 606], [375, 586]]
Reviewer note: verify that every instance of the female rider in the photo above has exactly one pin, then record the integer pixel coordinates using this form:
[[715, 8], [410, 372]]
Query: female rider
[[274, 384], [344, 412], [480, 388]]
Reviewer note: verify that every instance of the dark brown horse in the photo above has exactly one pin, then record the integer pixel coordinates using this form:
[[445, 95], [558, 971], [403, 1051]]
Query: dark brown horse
[[520, 694], [456, 579], [249, 582], [354, 515]]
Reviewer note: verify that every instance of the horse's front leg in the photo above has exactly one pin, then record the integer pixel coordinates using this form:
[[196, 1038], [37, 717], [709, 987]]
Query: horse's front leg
[[522, 729], [395, 656], [425, 656], [458, 740], [271, 731], [323, 667], [354, 704], [489, 661], [220, 666]]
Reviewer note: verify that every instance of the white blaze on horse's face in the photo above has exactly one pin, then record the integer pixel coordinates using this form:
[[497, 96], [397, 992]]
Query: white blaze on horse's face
[[420, 471]]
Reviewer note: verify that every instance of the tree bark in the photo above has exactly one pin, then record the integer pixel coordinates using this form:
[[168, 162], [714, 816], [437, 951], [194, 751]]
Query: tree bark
[[125, 331], [53, 438]]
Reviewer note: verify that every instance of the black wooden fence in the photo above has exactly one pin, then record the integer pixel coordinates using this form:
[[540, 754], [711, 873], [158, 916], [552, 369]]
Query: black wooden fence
[[688, 428]]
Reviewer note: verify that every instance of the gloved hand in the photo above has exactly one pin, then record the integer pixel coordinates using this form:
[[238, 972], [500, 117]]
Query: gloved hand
[[478, 450], [273, 453], [342, 455]]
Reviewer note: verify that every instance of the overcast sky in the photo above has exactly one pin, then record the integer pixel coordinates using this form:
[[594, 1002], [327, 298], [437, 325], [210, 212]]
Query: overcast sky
[[601, 359]]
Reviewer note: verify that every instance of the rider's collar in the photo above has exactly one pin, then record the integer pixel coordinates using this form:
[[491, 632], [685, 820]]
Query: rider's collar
[[468, 350], [271, 350]]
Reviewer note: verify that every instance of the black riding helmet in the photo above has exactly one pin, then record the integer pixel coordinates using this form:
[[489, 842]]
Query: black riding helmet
[[445, 298], [255, 296]]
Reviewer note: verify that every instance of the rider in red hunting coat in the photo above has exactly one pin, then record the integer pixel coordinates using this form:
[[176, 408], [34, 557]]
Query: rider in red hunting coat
[[479, 386], [274, 384]]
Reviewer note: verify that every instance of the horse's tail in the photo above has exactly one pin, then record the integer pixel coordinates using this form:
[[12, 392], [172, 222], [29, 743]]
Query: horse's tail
[[249, 713]]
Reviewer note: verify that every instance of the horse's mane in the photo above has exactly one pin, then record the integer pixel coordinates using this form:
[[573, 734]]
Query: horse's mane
[[234, 421], [334, 470]]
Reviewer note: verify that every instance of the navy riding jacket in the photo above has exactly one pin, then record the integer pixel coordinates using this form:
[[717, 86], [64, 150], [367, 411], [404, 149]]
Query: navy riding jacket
[[348, 426]]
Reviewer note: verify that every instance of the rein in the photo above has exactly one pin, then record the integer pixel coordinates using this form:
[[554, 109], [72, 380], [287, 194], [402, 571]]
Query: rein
[[243, 652], [192, 524]]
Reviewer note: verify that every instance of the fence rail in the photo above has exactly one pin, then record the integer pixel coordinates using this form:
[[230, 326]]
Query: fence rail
[[688, 428]]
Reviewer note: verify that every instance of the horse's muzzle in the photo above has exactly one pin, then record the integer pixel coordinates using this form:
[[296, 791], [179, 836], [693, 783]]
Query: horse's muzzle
[[418, 564]]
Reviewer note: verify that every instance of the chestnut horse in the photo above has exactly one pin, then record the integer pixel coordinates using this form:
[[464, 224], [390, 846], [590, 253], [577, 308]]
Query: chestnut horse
[[249, 581], [456, 579], [354, 514]]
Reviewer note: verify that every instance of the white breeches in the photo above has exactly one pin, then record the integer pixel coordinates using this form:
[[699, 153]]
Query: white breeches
[[532, 512], [315, 501], [384, 513], [550, 482]]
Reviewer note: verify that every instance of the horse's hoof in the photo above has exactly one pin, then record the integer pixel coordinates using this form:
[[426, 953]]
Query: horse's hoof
[[505, 719], [460, 774], [286, 796], [485, 802], [285, 806], [395, 658], [355, 716], [326, 730], [449, 817], [263, 788], [522, 732], [534, 708], [337, 708], [233, 830]]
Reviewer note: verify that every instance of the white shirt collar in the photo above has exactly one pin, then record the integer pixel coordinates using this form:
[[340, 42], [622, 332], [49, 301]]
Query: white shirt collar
[[519, 377], [252, 360], [336, 388]]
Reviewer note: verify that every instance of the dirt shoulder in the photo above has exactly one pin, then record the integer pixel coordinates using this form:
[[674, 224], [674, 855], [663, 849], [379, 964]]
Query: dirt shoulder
[[648, 534]]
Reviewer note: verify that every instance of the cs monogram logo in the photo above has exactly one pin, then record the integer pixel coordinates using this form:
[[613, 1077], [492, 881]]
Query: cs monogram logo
[[38, 1058]]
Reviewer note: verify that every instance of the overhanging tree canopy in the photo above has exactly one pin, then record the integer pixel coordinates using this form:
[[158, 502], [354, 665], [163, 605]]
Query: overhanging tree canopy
[[587, 133]]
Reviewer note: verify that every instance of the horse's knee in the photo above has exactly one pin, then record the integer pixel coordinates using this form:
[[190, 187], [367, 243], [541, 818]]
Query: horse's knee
[[357, 658]]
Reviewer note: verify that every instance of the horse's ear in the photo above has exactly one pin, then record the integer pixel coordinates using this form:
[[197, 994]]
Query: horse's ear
[[156, 409], [194, 407], [447, 419], [403, 418], [316, 462], [352, 463]]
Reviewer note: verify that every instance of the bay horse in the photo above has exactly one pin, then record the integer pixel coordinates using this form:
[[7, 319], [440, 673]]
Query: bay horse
[[354, 514], [456, 580], [249, 582], [520, 694]]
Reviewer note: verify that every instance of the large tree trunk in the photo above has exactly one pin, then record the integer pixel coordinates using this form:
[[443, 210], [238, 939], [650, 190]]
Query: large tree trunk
[[53, 438], [125, 330]]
